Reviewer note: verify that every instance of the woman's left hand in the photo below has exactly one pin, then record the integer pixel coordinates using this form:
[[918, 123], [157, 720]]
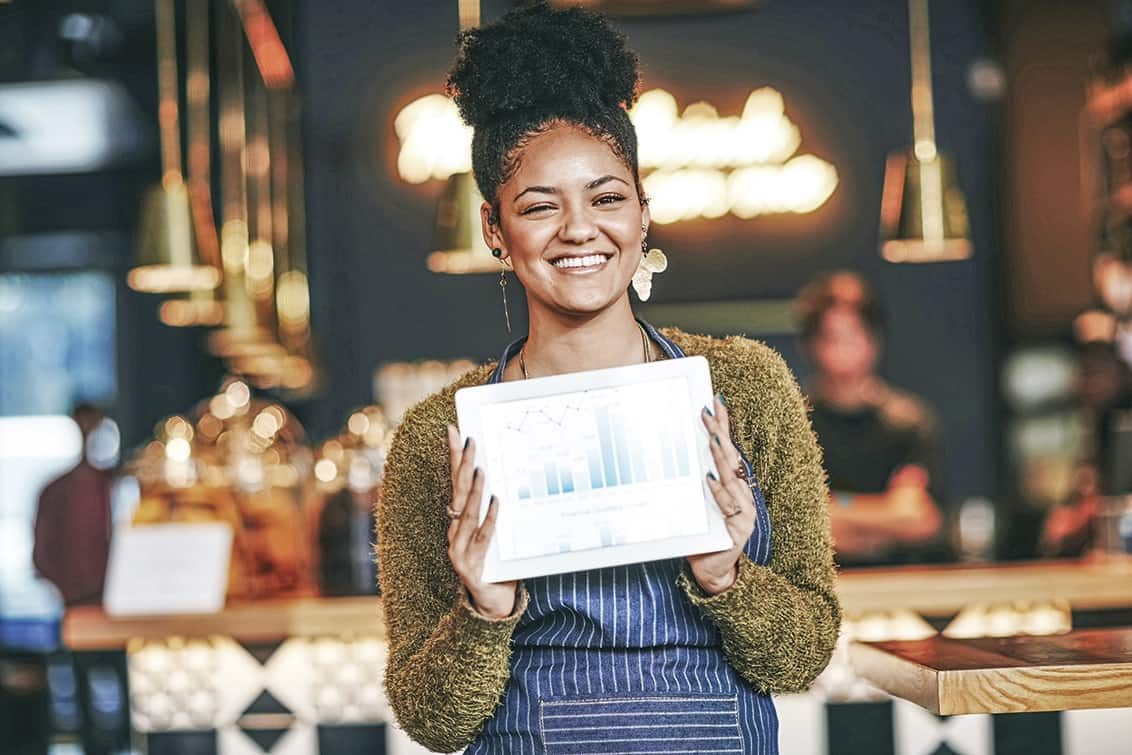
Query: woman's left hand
[[715, 572]]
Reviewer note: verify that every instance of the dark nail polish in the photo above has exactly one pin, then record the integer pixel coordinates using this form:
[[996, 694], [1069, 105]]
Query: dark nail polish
[[717, 440], [709, 411], [475, 474], [719, 397], [467, 441], [712, 476]]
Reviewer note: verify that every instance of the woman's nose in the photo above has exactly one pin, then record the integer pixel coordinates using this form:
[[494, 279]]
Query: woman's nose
[[577, 226]]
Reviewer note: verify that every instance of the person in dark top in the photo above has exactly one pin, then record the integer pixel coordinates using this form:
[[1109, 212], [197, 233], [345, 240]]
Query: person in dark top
[[72, 548], [879, 443]]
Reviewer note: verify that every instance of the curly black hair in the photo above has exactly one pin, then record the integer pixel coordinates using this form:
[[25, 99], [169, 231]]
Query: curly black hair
[[535, 68]]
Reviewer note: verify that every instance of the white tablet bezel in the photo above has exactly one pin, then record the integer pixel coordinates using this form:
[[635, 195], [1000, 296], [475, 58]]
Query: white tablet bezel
[[693, 370]]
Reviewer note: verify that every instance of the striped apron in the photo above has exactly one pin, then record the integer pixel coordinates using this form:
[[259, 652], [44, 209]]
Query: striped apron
[[617, 660]]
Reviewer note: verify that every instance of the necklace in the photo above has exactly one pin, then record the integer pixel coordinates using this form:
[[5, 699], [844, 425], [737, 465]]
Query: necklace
[[644, 344]]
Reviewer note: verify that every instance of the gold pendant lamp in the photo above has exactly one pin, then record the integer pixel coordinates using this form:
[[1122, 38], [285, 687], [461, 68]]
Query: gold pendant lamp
[[281, 218], [923, 211], [198, 308], [168, 257], [246, 331], [458, 245]]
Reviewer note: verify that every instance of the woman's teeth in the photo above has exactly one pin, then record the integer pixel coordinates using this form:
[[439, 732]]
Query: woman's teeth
[[587, 261]]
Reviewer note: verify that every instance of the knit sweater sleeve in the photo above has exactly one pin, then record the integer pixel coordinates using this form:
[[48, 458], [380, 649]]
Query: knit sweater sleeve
[[778, 623], [447, 665]]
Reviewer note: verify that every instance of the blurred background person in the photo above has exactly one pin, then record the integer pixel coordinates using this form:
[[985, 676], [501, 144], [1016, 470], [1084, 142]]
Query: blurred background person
[[879, 443], [1104, 392], [73, 524]]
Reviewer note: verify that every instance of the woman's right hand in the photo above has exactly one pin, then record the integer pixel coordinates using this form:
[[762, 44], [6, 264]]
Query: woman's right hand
[[467, 538]]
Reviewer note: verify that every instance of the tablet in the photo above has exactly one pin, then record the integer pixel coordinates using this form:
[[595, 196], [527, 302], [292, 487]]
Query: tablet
[[595, 469]]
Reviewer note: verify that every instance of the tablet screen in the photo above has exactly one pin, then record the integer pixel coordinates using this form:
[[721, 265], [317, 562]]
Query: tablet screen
[[595, 468]]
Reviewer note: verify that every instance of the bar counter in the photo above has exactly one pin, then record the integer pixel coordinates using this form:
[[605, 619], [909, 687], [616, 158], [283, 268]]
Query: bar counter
[[320, 662], [925, 590]]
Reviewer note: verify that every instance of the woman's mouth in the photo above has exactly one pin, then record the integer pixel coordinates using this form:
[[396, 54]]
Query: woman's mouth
[[582, 263]]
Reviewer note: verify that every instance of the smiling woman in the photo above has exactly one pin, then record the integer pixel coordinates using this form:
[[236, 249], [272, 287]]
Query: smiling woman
[[677, 655]]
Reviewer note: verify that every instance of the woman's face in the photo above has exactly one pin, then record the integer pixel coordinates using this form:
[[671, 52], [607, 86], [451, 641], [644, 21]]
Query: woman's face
[[843, 346], [570, 223]]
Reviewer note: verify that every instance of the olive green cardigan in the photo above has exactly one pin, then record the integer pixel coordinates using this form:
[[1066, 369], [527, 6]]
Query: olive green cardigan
[[448, 665]]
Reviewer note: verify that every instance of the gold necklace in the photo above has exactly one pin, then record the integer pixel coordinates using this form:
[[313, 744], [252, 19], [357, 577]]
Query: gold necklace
[[644, 344]]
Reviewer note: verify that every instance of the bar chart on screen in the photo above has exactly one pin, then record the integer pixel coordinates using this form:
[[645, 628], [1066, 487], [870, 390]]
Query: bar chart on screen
[[596, 468]]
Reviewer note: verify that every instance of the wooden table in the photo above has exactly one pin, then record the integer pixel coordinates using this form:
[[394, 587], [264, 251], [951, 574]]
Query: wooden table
[[1083, 669]]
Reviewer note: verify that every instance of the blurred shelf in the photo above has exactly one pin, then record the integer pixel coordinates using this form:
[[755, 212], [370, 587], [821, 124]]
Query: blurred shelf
[[944, 590], [90, 628]]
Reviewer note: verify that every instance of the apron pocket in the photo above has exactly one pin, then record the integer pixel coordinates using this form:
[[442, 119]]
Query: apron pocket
[[608, 725]]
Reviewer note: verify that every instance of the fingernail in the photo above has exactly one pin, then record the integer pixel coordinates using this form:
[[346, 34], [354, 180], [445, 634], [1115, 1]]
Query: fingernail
[[712, 476], [475, 474], [467, 441], [719, 398], [718, 442], [493, 501], [710, 413]]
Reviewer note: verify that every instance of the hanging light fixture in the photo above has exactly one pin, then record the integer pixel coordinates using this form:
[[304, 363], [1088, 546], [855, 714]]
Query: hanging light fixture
[[168, 256], [458, 243], [198, 308], [279, 210], [245, 333], [923, 212]]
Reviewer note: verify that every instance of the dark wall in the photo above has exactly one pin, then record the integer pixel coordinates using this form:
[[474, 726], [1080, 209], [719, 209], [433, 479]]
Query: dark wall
[[843, 69]]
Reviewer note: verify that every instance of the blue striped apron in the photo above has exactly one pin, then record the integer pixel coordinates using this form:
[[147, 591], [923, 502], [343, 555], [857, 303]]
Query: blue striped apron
[[617, 660]]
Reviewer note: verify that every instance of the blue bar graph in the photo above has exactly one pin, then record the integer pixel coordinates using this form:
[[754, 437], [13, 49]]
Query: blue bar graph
[[667, 454], [605, 435], [551, 478], [614, 450], [681, 454], [595, 469], [624, 468], [567, 480]]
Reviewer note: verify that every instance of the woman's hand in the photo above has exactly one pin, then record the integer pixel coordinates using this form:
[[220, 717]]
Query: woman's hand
[[715, 572], [467, 538]]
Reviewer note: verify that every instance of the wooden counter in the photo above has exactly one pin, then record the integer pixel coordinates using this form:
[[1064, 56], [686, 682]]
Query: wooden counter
[[944, 590], [931, 591], [1085, 669], [89, 628]]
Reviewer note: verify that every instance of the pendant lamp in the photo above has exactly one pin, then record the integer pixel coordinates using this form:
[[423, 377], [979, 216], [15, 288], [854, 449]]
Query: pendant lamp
[[458, 245], [923, 212], [198, 308], [168, 257], [246, 332]]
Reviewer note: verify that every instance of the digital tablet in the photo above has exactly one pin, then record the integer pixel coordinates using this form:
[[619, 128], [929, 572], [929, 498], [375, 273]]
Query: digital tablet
[[595, 469]]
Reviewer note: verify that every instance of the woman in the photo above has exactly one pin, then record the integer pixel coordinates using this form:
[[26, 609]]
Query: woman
[[669, 656], [881, 451]]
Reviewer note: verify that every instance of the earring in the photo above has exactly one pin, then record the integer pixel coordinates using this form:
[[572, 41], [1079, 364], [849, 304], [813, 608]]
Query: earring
[[652, 261], [503, 287]]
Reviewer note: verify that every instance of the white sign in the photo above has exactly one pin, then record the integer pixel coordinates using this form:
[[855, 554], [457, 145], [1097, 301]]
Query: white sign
[[168, 568]]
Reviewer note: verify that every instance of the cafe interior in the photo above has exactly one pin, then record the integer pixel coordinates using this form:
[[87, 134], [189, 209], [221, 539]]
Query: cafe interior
[[239, 239]]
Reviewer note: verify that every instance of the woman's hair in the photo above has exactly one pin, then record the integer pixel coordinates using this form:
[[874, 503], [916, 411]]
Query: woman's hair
[[535, 68], [837, 290]]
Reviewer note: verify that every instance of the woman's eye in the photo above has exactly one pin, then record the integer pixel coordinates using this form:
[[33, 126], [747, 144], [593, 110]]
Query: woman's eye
[[609, 199], [537, 208]]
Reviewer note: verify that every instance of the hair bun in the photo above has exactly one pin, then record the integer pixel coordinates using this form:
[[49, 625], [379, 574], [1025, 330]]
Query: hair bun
[[561, 61]]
